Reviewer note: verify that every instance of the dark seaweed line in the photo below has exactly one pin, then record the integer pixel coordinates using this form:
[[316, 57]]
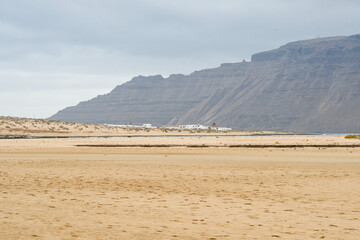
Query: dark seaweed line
[[217, 146]]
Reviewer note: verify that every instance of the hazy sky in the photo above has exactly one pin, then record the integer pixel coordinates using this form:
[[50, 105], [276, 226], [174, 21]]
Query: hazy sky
[[55, 53]]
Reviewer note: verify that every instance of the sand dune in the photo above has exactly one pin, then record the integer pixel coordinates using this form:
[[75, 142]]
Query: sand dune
[[14, 126]]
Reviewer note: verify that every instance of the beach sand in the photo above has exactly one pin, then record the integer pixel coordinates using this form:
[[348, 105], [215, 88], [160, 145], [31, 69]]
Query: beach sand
[[51, 189]]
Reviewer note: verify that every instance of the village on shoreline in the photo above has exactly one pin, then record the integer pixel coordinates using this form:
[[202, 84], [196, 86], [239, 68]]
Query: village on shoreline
[[179, 127]]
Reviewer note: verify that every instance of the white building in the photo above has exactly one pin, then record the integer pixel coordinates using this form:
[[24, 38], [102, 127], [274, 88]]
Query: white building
[[148, 125], [224, 129]]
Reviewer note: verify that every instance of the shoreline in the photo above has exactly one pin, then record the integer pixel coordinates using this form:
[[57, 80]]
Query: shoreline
[[216, 134], [219, 146], [180, 144]]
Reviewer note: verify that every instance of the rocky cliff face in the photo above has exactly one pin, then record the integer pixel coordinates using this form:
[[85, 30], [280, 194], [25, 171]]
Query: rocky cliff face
[[306, 86]]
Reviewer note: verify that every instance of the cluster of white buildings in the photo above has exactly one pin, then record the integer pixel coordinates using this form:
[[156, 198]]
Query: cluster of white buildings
[[189, 127], [146, 125], [202, 127], [199, 127]]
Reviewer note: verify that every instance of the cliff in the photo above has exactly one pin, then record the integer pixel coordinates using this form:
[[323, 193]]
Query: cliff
[[306, 86]]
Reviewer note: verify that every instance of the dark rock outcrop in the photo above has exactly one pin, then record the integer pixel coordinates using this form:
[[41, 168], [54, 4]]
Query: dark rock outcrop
[[306, 86]]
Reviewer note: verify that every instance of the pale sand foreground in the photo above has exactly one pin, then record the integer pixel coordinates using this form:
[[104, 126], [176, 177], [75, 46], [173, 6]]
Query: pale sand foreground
[[50, 189]]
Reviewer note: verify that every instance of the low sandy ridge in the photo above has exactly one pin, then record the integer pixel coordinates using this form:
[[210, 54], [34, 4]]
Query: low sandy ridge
[[22, 127]]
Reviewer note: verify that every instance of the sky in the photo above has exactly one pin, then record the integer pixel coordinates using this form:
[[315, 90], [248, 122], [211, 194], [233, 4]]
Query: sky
[[56, 53]]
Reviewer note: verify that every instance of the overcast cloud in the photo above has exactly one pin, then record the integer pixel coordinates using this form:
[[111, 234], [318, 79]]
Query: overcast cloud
[[55, 53]]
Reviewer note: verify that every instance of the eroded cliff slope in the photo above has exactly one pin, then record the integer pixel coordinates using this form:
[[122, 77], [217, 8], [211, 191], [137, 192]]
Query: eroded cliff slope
[[306, 86]]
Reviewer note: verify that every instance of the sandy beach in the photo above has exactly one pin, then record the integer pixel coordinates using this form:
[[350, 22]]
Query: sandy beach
[[52, 189], [179, 120]]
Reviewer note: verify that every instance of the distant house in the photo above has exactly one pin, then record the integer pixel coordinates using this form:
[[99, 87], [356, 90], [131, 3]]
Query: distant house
[[224, 129], [148, 125]]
